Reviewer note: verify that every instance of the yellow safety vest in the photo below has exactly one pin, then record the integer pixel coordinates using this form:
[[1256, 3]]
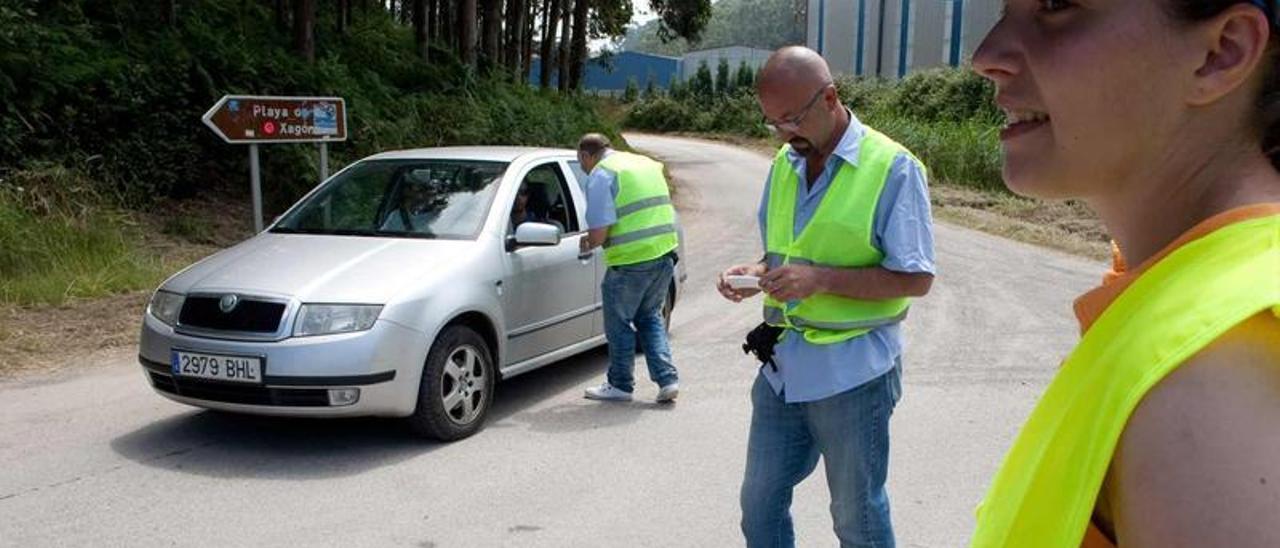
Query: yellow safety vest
[[839, 235], [646, 220], [1045, 492]]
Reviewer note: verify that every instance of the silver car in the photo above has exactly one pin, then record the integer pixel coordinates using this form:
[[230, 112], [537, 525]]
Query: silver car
[[404, 286]]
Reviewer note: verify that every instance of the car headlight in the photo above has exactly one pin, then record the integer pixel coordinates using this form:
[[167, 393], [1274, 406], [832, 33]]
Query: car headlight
[[328, 319], [165, 306]]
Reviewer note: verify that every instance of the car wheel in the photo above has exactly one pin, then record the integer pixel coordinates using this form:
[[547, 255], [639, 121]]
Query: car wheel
[[457, 386]]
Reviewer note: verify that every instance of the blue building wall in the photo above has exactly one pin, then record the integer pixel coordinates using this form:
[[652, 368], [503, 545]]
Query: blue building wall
[[612, 73]]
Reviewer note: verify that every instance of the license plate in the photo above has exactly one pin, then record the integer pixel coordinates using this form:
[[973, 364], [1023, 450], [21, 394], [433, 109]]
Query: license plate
[[243, 369]]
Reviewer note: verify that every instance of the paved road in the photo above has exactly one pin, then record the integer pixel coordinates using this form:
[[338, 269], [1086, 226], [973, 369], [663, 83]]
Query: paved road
[[96, 459]]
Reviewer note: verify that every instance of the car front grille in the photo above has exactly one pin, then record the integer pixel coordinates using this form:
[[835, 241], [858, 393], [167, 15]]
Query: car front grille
[[248, 316], [247, 394]]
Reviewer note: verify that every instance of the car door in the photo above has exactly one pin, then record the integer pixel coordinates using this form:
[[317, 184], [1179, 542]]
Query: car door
[[597, 258], [548, 291]]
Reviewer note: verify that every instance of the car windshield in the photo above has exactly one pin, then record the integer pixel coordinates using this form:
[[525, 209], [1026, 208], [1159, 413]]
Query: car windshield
[[446, 199]]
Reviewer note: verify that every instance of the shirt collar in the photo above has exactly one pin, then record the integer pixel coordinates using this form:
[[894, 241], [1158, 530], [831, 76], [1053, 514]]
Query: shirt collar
[[847, 148]]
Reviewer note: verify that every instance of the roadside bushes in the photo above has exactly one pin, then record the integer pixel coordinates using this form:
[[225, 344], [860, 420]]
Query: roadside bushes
[[945, 116]]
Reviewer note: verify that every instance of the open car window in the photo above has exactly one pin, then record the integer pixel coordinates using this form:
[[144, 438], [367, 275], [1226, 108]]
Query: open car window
[[544, 198], [447, 199]]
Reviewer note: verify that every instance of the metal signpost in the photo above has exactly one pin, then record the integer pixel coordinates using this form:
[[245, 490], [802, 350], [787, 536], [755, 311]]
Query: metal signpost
[[254, 119]]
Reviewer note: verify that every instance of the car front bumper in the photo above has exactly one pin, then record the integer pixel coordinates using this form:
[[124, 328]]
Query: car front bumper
[[383, 363]]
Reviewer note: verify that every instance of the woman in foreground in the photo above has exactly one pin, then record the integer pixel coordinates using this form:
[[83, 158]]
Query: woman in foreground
[[1162, 427]]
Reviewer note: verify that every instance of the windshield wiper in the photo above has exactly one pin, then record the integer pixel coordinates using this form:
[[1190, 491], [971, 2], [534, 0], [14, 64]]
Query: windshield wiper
[[324, 231], [404, 234]]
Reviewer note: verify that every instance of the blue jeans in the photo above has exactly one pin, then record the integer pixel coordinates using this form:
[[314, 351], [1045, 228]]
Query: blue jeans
[[850, 431], [634, 294]]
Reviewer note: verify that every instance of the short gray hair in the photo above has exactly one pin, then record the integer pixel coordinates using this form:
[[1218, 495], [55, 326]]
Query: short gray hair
[[593, 144]]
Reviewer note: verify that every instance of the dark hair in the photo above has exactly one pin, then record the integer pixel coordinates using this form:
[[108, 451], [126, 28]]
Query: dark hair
[[1267, 118], [593, 144]]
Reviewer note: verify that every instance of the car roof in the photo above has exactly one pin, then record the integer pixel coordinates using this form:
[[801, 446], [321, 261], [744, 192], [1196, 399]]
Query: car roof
[[476, 153]]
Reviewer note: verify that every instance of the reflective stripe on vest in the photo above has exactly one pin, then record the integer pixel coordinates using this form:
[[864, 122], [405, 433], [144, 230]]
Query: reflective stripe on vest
[[839, 235], [1045, 492], [646, 220]]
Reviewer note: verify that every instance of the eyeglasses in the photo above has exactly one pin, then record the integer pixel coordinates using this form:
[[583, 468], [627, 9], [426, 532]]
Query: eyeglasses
[[792, 124]]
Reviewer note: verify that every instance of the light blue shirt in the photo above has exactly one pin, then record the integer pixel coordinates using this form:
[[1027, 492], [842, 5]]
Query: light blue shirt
[[602, 189], [903, 231]]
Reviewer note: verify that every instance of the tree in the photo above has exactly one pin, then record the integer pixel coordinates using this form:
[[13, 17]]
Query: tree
[[578, 53], [304, 26], [650, 88], [421, 39], [282, 19], [550, 19], [632, 91], [343, 18], [723, 84], [746, 76], [491, 33], [701, 86], [681, 18], [767, 24], [527, 55], [467, 32], [516, 14], [563, 57]]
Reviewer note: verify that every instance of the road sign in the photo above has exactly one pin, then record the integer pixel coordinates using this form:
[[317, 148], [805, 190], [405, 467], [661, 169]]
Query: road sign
[[266, 119]]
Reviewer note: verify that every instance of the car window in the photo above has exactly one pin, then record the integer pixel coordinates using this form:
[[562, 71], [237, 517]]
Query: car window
[[544, 197], [401, 198]]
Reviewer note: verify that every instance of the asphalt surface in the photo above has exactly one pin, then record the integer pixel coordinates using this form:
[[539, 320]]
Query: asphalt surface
[[94, 458]]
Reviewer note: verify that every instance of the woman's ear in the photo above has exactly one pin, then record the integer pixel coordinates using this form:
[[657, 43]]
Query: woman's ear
[[1235, 43]]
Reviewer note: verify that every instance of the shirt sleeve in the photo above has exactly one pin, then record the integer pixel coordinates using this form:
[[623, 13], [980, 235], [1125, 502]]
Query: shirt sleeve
[[602, 188], [904, 219]]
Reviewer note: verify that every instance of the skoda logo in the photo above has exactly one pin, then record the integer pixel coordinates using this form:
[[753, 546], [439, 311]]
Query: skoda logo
[[228, 303]]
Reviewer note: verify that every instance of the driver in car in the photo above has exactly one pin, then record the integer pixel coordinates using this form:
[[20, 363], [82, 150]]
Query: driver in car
[[416, 210]]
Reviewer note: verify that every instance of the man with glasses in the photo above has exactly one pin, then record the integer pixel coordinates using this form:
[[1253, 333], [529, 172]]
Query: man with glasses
[[848, 240]]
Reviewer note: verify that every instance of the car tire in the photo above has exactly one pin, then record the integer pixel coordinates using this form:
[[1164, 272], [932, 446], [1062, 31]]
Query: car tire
[[456, 390]]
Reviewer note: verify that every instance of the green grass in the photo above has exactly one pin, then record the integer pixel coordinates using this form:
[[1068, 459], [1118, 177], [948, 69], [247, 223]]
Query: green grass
[[54, 247]]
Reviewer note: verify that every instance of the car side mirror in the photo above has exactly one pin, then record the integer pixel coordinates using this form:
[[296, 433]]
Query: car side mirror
[[534, 234]]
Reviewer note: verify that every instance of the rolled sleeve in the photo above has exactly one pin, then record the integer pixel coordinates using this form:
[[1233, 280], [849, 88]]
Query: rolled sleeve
[[904, 219], [602, 188]]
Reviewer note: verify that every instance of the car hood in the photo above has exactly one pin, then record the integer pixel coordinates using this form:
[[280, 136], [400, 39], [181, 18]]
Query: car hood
[[320, 268]]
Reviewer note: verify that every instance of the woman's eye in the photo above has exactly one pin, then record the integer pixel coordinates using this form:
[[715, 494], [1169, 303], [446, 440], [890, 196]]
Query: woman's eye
[[1054, 5]]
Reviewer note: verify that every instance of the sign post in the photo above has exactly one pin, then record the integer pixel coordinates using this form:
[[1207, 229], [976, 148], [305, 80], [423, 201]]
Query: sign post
[[255, 119]]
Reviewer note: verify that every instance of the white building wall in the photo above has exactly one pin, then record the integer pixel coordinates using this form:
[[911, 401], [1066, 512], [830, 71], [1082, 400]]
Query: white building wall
[[735, 55], [929, 30]]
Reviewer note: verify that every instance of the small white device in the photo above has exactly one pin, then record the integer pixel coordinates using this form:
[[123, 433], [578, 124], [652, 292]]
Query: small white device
[[743, 282]]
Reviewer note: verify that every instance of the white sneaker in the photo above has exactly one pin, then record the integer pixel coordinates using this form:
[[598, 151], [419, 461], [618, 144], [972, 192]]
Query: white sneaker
[[607, 392], [668, 393]]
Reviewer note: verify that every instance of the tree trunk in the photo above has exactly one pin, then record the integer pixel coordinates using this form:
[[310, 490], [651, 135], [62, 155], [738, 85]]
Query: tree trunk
[[282, 18], [526, 53], [515, 35], [420, 37], [446, 21], [343, 16], [491, 33], [170, 12], [467, 32], [550, 21], [433, 19], [578, 55], [562, 58], [304, 23]]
